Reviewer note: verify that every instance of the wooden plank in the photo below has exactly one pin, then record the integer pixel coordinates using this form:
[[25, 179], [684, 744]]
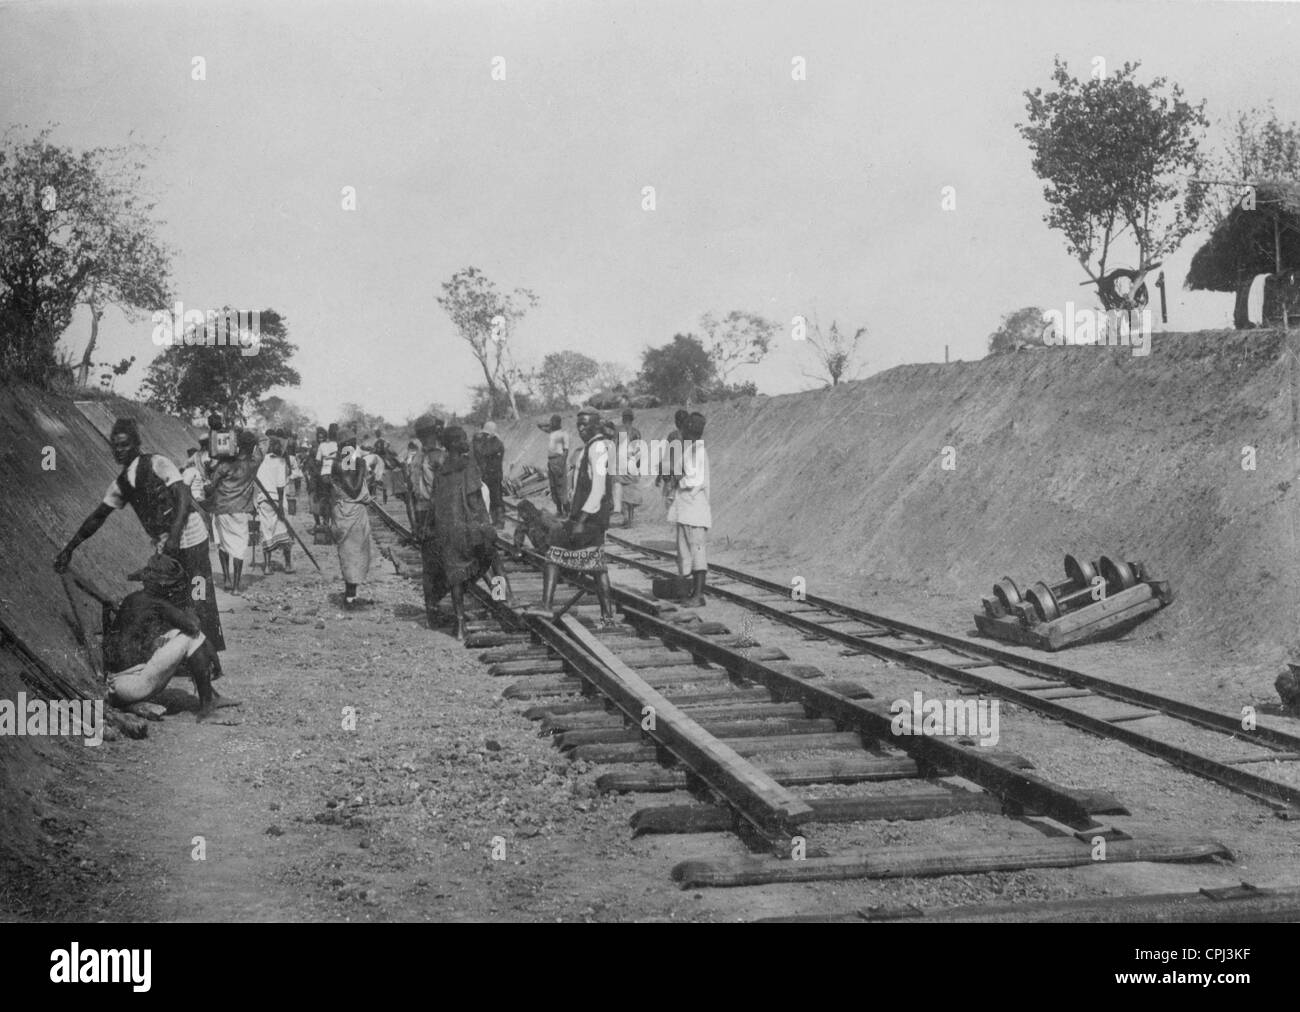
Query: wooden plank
[[631, 752], [718, 728], [541, 687], [899, 807], [767, 710], [495, 639], [846, 769], [771, 807], [533, 651], [1066, 693], [917, 862], [506, 669]]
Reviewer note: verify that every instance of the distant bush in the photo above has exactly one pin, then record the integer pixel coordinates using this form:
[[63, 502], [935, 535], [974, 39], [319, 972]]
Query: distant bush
[[1018, 329]]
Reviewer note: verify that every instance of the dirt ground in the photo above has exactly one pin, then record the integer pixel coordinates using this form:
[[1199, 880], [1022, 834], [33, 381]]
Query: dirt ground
[[283, 814]]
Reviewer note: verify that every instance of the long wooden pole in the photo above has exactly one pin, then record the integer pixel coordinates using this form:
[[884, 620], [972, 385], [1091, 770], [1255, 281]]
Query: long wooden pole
[[285, 520]]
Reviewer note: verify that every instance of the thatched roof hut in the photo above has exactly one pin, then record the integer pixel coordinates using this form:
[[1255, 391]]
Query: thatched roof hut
[[1244, 243]]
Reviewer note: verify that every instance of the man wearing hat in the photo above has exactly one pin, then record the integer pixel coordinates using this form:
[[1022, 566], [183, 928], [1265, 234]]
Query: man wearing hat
[[152, 485], [151, 639], [557, 455]]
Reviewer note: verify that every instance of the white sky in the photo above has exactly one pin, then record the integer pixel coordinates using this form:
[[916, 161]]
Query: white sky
[[773, 195]]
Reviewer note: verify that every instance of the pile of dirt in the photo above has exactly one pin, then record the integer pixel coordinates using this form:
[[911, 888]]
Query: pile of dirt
[[947, 476]]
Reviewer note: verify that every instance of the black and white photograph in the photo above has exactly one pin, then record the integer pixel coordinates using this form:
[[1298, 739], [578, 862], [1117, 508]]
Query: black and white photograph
[[628, 462]]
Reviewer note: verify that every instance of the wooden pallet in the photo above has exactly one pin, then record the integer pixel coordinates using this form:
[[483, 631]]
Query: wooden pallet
[[1104, 618]]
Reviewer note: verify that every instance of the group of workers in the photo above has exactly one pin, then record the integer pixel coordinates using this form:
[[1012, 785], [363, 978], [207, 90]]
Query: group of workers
[[173, 621], [231, 489], [600, 478]]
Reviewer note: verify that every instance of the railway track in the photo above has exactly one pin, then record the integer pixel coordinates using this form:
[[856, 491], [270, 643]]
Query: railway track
[[1189, 737], [788, 758]]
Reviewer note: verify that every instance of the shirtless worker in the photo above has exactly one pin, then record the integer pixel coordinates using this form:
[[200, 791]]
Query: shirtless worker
[[153, 638], [557, 463], [152, 485]]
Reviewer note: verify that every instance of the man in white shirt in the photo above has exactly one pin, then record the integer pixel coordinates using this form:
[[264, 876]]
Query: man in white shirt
[[690, 509]]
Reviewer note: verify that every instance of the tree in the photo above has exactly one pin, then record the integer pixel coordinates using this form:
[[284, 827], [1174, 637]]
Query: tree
[[74, 229], [564, 376], [355, 418], [198, 375], [435, 408], [610, 375], [1258, 147], [739, 338], [680, 372], [1114, 155], [278, 413], [1018, 328], [835, 352], [483, 407], [486, 321]]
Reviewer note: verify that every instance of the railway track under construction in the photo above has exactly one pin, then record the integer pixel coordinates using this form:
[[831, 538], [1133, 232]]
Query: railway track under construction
[[721, 734]]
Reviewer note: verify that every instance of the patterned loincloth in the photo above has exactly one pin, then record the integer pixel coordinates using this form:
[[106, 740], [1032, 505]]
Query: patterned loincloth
[[581, 560]]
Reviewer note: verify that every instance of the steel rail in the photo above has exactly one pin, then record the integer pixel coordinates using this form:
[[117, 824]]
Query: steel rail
[[1264, 737]]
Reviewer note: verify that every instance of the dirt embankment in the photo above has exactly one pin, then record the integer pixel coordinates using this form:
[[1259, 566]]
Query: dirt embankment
[[1077, 449], [55, 465]]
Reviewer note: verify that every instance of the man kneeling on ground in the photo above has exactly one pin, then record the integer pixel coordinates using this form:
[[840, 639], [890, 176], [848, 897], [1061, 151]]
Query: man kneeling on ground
[[152, 639]]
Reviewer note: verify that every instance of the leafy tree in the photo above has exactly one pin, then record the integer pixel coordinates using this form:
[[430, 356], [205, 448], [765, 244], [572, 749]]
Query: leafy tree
[[434, 408], [486, 320], [564, 376], [739, 338], [835, 352], [194, 378], [355, 418], [484, 407], [610, 375], [681, 371], [730, 391], [1018, 328], [277, 413], [1258, 146], [74, 228], [1115, 155]]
